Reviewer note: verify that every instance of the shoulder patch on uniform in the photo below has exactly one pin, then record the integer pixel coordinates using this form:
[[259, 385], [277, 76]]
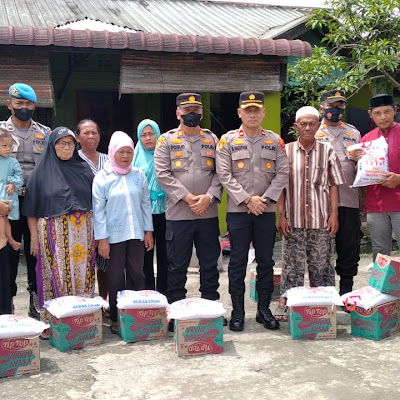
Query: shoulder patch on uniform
[[221, 144], [160, 141], [282, 144]]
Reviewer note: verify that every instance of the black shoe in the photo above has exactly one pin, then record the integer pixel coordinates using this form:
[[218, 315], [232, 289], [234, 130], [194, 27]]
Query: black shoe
[[264, 314], [236, 323], [171, 326], [225, 323], [34, 310], [267, 319]]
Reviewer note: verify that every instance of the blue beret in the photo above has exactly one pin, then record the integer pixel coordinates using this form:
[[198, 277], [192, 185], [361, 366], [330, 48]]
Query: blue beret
[[22, 91]]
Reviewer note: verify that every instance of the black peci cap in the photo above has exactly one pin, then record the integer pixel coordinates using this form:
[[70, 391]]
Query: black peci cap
[[381, 100]]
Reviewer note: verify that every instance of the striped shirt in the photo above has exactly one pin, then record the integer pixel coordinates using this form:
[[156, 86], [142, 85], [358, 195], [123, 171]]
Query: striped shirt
[[95, 168], [310, 175]]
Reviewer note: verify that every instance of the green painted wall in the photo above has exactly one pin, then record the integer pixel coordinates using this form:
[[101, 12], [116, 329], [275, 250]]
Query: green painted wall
[[272, 119]]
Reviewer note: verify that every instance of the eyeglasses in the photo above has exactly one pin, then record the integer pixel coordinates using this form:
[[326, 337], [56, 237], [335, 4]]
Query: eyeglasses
[[68, 144]]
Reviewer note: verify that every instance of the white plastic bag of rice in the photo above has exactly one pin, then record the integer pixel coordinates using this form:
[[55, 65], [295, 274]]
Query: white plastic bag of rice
[[373, 165], [367, 297], [12, 326], [69, 306], [309, 296], [129, 299], [195, 307]]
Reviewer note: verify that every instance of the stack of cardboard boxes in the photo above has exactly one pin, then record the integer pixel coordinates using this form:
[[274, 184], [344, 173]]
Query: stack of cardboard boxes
[[383, 320]]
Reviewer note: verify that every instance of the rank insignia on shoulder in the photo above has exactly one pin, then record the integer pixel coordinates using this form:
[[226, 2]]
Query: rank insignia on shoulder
[[241, 134], [282, 144], [176, 141], [160, 141], [221, 144], [180, 133]]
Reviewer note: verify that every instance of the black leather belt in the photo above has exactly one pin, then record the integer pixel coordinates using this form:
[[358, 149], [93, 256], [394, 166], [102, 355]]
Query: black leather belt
[[22, 191]]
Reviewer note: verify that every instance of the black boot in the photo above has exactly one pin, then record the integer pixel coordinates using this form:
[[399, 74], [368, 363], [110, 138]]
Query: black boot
[[236, 323], [264, 314], [345, 284], [34, 310]]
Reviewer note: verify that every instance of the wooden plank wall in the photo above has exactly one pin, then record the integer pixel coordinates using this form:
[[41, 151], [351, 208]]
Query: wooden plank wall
[[28, 66], [174, 73]]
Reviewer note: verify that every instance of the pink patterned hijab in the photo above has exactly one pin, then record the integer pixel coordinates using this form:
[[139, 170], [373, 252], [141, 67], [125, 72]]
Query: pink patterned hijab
[[118, 140]]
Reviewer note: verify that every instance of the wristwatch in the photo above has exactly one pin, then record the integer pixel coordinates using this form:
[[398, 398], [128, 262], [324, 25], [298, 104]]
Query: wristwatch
[[212, 198], [268, 201]]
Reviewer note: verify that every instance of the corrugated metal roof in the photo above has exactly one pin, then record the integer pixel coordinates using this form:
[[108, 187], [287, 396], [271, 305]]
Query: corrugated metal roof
[[152, 42], [182, 17]]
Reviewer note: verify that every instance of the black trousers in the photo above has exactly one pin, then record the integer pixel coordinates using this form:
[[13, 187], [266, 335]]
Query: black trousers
[[124, 270], [5, 292], [19, 230], [159, 225], [347, 240], [180, 237], [244, 228]]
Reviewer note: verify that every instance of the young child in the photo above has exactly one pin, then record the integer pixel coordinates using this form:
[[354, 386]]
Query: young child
[[11, 181]]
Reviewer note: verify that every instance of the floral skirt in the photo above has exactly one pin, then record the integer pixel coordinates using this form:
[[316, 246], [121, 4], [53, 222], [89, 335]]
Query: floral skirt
[[66, 259]]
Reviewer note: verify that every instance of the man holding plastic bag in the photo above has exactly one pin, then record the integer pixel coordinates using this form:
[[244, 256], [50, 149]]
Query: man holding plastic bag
[[383, 197]]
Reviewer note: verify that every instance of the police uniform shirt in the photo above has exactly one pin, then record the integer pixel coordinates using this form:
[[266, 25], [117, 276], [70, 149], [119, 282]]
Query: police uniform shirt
[[251, 166], [186, 164], [27, 145], [340, 138]]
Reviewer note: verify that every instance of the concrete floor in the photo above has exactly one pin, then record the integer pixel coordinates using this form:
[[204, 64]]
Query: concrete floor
[[255, 363]]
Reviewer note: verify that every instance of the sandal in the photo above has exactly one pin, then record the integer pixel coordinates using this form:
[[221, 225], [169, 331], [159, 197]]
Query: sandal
[[114, 327], [281, 313], [45, 335]]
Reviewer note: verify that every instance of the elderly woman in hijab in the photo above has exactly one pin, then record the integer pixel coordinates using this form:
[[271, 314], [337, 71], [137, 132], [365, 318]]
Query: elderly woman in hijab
[[148, 132], [58, 205], [122, 219]]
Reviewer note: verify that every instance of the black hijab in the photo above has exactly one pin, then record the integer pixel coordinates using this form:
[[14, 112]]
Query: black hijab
[[57, 187]]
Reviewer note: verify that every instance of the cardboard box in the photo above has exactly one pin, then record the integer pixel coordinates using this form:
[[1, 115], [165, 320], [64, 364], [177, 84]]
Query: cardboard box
[[378, 323], [277, 285], [312, 322], [385, 275], [135, 325], [199, 336], [71, 333], [19, 356]]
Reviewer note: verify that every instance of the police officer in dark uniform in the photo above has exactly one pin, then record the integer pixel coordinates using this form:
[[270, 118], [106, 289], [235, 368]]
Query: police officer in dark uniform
[[340, 135], [185, 167], [29, 142], [253, 168]]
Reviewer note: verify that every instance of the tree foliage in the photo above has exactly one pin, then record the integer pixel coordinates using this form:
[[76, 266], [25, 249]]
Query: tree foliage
[[362, 48]]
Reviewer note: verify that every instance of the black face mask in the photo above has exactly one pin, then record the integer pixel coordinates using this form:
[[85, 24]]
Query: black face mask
[[333, 114], [192, 119], [23, 114]]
